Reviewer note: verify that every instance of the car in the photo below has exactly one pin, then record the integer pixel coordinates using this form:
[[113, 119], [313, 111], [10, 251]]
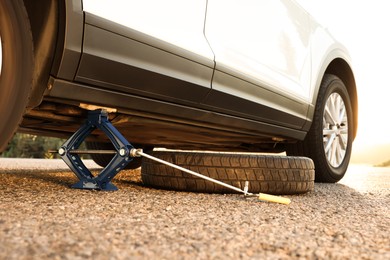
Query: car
[[254, 76]]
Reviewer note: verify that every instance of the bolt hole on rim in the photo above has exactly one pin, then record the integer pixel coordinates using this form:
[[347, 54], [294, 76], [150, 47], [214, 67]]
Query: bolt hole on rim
[[335, 130]]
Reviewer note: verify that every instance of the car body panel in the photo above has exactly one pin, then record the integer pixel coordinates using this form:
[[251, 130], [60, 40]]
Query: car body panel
[[269, 47], [241, 98], [178, 22], [325, 50], [137, 66]]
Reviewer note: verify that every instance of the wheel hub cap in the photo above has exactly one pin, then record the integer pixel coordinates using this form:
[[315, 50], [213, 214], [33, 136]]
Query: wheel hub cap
[[335, 130]]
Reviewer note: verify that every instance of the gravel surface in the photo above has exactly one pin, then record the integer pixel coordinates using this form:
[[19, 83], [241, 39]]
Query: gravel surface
[[42, 218]]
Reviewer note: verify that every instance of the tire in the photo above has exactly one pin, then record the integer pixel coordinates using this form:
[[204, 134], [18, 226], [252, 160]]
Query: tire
[[268, 174], [104, 159], [17, 63], [329, 143]]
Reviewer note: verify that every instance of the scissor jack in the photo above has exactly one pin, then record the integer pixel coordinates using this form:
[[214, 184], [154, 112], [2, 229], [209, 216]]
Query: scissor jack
[[124, 152], [69, 152]]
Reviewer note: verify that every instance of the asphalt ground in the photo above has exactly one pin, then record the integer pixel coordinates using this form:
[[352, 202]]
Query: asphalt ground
[[42, 218]]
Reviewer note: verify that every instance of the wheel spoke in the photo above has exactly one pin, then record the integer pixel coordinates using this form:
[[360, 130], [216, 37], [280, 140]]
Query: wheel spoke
[[332, 153], [328, 132], [340, 152], [343, 141], [342, 115], [329, 143], [344, 131], [328, 117], [336, 108]]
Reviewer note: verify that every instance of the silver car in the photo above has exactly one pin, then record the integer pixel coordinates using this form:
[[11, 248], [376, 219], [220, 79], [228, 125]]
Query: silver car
[[221, 75]]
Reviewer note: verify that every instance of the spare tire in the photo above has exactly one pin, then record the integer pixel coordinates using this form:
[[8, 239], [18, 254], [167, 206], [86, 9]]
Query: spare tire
[[265, 173]]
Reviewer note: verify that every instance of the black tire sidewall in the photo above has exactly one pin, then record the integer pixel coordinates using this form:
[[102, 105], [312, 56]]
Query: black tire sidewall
[[17, 66], [324, 171]]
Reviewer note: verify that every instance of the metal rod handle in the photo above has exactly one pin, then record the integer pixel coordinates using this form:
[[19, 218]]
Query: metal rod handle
[[139, 152], [92, 152]]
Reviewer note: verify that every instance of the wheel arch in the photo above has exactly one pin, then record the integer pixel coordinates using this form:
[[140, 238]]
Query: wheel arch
[[44, 21], [340, 68], [57, 29]]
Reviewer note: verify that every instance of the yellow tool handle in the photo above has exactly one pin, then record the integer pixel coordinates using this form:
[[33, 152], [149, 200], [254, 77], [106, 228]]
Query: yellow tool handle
[[273, 198]]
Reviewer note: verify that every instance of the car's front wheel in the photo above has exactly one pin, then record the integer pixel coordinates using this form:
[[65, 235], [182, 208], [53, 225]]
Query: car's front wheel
[[16, 66], [329, 141]]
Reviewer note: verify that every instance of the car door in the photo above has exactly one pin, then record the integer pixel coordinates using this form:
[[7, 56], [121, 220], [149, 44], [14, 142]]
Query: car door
[[150, 48], [262, 54]]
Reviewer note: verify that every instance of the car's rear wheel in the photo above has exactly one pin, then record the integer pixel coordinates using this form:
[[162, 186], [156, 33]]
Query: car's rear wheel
[[329, 141], [16, 69], [265, 173]]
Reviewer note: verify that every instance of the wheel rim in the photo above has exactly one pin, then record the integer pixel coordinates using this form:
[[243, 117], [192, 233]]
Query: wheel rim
[[335, 130]]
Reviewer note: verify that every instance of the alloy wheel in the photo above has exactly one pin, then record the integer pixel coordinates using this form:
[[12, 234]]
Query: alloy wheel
[[335, 130]]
